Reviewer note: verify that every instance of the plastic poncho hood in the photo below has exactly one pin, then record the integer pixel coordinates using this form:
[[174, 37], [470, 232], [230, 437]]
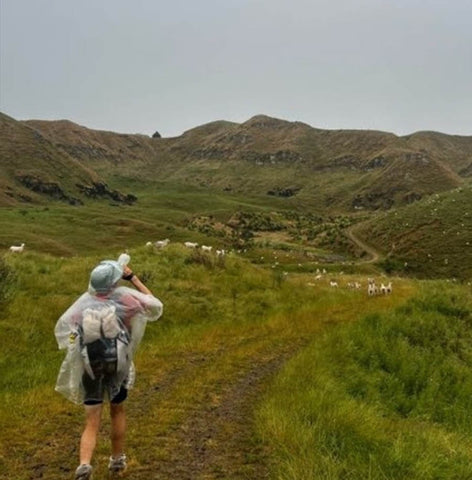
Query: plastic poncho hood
[[133, 310]]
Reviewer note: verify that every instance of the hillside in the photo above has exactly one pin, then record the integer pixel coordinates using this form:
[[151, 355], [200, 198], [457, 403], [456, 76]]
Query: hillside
[[340, 170], [34, 168], [430, 238]]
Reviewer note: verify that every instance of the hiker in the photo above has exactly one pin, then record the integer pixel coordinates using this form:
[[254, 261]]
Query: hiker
[[101, 332]]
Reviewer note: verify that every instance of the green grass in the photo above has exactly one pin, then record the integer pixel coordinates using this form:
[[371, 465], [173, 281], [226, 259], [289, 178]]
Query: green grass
[[429, 239], [222, 319], [388, 397], [384, 397]]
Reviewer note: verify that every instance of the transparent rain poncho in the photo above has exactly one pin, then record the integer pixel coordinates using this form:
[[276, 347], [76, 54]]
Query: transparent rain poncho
[[128, 311]]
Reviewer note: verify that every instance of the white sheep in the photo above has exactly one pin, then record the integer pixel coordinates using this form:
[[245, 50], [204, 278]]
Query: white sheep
[[162, 243], [222, 253], [191, 244], [148, 244], [372, 288], [333, 283], [16, 249], [206, 248]]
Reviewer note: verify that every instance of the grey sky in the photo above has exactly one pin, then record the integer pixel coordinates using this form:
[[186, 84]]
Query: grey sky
[[145, 65]]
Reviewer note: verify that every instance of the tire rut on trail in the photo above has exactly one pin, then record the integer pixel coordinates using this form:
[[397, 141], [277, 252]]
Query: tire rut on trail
[[217, 441]]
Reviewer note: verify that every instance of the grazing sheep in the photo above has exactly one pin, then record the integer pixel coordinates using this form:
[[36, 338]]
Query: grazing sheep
[[16, 249], [191, 244], [357, 285], [162, 243], [318, 276], [333, 283], [222, 253], [148, 244], [388, 288], [206, 248]]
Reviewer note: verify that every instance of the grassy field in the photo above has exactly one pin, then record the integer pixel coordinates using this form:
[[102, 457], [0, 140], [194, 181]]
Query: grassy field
[[213, 361], [256, 370], [99, 226], [388, 397]]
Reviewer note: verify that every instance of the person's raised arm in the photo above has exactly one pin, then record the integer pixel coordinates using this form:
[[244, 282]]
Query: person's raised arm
[[131, 277]]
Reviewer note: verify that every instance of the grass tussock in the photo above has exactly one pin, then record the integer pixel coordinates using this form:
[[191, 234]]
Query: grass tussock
[[388, 397]]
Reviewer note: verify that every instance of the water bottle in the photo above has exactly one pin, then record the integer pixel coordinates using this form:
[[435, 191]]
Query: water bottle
[[124, 259]]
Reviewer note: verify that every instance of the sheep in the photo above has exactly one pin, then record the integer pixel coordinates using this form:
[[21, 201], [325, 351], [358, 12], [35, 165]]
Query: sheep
[[16, 249], [383, 289], [206, 248], [148, 244], [372, 288], [357, 285], [333, 283], [222, 253], [161, 243], [191, 244], [388, 288]]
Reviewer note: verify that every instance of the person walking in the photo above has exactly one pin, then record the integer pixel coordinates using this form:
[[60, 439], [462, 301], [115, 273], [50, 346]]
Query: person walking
[[101, 332]]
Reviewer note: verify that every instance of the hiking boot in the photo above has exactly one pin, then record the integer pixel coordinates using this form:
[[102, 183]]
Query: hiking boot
[[83, 472], [117, 465]]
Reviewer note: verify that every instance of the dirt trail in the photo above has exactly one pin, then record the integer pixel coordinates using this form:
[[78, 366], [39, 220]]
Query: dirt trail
[[374, 255], [216, 441]]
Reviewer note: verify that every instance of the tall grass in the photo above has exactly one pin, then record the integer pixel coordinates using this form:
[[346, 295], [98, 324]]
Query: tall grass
[[386, 398]]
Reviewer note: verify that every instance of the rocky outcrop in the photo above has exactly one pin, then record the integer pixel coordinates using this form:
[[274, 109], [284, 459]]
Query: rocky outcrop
[[101, 190], [284, 192], [51, 189]]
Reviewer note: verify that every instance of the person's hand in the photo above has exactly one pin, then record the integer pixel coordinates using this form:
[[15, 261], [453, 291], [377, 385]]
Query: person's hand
[[126, 272]]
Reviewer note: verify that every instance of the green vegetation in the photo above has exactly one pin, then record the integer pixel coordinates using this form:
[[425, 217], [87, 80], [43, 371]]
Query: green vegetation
[[258, 369], [388, 397], [431, 238], [227, 326]]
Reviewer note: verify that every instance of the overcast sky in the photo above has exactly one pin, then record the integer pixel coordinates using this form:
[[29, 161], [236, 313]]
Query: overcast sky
[[138, 66]]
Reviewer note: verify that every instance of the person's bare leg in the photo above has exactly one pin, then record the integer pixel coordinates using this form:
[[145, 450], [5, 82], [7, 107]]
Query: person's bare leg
[[88, 440], [118, 429]]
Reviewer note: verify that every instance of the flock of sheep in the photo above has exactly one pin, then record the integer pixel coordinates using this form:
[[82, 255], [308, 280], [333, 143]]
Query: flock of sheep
[[204, 248], [372, 288]]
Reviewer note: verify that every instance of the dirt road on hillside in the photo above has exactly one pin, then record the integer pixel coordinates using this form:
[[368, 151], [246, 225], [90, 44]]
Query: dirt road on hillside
[[374, 255]]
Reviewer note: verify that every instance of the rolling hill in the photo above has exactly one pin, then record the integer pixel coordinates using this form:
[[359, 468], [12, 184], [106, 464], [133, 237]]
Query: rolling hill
[[320, 169], [263, 164]]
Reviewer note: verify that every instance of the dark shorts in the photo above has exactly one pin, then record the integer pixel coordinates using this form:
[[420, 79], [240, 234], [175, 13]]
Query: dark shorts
[[100, 387]]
